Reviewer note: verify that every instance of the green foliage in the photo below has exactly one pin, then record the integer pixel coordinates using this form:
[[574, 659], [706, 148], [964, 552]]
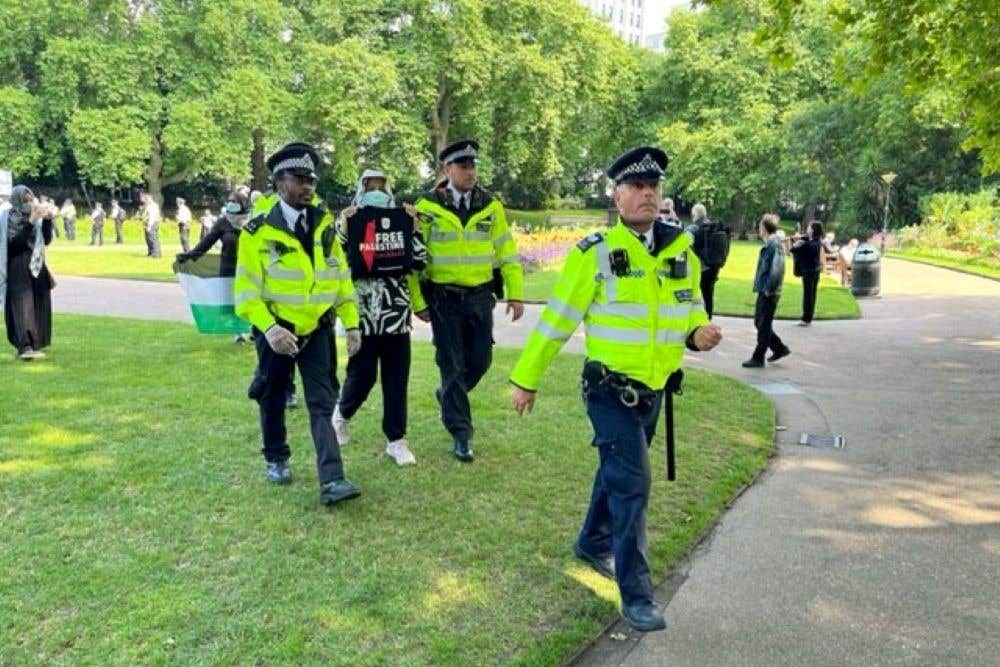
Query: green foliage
[[111, 145], [962, 223], [19, 140]]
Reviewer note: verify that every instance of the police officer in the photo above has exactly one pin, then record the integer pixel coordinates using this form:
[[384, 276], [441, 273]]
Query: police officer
[[635, 288], [466, 233], [291, 280]]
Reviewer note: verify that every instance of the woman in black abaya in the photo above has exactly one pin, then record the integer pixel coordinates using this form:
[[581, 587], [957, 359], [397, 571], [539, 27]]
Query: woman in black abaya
[[25, 282]]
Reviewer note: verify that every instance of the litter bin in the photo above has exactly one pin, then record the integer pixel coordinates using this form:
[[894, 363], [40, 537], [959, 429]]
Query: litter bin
[[865, 270]]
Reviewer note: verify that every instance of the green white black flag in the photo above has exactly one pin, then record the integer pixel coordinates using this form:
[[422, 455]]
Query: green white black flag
[[210, 296]]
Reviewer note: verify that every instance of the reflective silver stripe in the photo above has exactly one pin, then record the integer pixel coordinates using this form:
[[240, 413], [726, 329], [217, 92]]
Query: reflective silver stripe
[[285, 274], [500, 240], [668, 336], [477, 236], [620, 309], [241, 272], [675, 311], [604, 265], [328, 297], [333, 274], [698, 302], [551, 332], [292, 299], [563, 309], [617, 335], [444, 236], [461, 259], [342, 300], [511, 259], [246, 295]]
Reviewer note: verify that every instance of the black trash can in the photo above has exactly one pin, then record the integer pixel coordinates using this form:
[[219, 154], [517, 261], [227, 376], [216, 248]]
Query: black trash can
[[865, 271]]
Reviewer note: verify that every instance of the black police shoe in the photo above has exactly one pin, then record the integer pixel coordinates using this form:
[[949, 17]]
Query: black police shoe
[[333, 492], [753, 363], [278, 472], [644, 617], [779, 355], [462, 450], [604, 566]]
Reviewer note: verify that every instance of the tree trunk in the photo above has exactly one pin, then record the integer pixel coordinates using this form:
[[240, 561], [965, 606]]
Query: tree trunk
[[738, 205], [808, 214], [440, 116], [258, 168], [154, 174]]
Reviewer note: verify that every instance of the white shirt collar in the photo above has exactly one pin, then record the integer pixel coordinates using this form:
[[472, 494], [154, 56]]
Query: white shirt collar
[[290, 214], [457, 196]]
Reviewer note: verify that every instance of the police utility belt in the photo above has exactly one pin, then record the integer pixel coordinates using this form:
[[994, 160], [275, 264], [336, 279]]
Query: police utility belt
[[630, 392]]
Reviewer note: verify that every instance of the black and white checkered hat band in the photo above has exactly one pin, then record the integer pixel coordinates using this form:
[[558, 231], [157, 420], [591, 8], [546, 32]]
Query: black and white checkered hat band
[[301, 162], [467, 152], [646, 165]]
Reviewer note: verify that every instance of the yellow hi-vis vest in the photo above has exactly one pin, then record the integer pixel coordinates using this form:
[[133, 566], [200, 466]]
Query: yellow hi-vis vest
[[466, 253], [636, 324], [275, 278]]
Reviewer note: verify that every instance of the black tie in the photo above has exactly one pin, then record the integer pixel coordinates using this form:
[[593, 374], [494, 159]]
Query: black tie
[[462, 207]]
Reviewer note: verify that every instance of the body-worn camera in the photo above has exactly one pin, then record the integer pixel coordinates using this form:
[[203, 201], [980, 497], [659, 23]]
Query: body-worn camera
[[618, 259], [679, 267]]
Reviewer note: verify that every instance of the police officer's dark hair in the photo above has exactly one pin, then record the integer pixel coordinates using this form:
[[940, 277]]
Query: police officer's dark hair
[[816, 227]]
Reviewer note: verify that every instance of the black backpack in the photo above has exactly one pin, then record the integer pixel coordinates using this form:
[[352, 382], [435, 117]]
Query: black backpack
[[714, 246]]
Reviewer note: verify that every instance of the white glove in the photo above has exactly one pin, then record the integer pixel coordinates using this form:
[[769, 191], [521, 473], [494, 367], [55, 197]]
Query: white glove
[[281, 340], [353, 342]]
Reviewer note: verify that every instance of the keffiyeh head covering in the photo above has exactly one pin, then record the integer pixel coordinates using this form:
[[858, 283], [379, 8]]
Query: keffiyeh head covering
[[359, 194]]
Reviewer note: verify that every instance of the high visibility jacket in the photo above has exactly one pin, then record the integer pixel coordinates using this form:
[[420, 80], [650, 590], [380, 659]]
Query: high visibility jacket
[[464, 247], [637, 317], [276, 278]]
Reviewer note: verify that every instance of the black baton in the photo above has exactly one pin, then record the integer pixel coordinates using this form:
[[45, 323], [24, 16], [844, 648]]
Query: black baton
[[672, 387]]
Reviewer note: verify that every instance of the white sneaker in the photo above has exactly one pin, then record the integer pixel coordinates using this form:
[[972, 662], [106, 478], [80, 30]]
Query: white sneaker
[[803, 323], [399, 451], [340, 427]]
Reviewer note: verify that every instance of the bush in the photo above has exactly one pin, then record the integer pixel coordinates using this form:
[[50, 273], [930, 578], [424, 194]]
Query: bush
[[957, 222]]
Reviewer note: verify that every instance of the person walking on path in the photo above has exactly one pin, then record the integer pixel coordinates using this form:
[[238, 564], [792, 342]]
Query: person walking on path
[[117, 215], [184, 224], [68, 213], [466, 232], [767, 282], [807, 252], [151, 224], [711, 243], [292, 280], [384, 303], [97, 217], [26, 227], [635, 288]]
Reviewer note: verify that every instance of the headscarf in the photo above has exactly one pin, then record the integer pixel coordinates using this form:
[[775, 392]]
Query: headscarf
[[12, 221], [359, 194], [237, 208]]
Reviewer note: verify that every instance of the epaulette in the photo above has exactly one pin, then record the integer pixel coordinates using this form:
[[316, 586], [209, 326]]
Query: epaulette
[[254, 224], [589, 242]]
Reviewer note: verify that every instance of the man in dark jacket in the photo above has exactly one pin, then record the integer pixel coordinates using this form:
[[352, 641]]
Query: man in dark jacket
[[767, 284]]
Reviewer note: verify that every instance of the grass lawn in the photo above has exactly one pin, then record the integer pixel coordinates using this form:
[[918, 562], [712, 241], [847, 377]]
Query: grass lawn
[[138, 528], [78, 258], [733, 295], [974, 265]]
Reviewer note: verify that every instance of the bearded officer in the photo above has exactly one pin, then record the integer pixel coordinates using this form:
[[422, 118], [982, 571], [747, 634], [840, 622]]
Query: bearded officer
[[635, 288], [292, 280]]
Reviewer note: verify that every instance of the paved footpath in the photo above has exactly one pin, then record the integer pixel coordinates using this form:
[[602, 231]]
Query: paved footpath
[[886, 552]]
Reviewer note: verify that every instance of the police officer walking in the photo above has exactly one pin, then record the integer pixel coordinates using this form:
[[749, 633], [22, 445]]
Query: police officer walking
[[151, 224], [291, 281], [635, 288], [465, 229]]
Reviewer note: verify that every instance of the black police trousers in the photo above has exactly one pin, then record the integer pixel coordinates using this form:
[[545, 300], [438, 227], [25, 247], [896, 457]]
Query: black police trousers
[[392, 353], [316, 360], [616, 519], [709, 276], [462, 323]]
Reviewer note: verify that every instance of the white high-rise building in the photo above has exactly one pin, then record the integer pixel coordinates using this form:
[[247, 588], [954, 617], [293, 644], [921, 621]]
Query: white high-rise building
[[640, 22]]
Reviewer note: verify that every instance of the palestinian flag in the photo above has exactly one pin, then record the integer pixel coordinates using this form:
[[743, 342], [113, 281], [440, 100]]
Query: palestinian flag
[[210, 295]]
